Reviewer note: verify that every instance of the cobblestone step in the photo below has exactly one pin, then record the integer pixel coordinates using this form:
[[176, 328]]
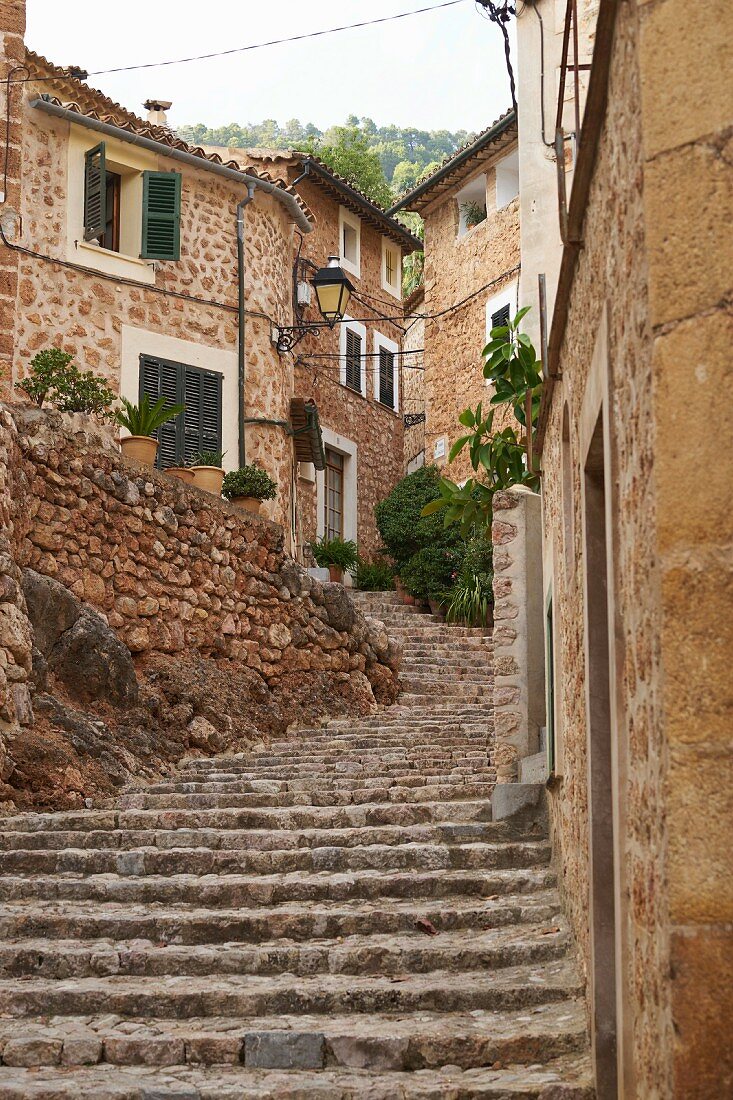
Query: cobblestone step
[[328, 796]]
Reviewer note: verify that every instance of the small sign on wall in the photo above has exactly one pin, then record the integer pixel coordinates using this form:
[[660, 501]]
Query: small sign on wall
[[439, 448]]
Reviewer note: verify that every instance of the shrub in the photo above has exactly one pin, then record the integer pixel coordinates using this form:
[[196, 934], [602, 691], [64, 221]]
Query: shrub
[[403, 529], [144, 419], [54, 377], [208, 458], [374, 576], [335, 552], [430, 572], [249, 481]]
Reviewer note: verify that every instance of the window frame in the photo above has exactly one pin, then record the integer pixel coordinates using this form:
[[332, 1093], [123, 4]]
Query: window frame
[[392, 288], [180, 422], [330, 532], [507, 296], [346, 218], [505, 170], [384, 342], [359, 329]]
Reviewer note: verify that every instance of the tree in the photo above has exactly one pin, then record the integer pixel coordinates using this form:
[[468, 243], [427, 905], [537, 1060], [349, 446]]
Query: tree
[[346, 151]]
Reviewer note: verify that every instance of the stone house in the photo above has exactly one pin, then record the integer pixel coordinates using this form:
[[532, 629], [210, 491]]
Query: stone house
[[355, 372], [470, 207], [121, 248], [413, 380], [631, 549]]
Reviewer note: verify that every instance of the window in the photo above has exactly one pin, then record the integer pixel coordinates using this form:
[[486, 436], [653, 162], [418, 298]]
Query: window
[[196, 429], [501, 307], [350, 241], [391, 268], [109, 204], [352, 341], [500, 317], [507, 180], [386, 375], [471, 201], [333, 498]]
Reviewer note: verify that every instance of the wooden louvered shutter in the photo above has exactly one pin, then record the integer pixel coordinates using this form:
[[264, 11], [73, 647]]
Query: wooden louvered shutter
[[161, 236], [95, 193], [160, 378], [202, 418], [353, 360], [501, 317], [386, 377]]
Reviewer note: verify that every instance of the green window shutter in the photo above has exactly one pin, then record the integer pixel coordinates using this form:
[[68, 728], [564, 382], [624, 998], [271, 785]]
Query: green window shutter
[[386, 377], [160, 378], [161, 237], [95, 193], [202, 418], [198, 427]]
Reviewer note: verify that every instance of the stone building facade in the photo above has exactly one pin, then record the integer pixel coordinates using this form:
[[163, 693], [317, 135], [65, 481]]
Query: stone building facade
[[168, 320], [636, 482], [413, 380], [471, 276], [356, 372]]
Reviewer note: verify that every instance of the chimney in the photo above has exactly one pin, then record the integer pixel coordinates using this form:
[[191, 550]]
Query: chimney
[[156, 109]]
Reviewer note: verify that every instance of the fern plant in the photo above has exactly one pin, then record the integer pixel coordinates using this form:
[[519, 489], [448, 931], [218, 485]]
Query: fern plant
[[338, 552], [144, 418]]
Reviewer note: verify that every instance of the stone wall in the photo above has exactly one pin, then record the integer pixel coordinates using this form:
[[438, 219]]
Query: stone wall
[[413, 378], [12, 54], [648, 324], [519, 705], [455, 267], [222, 624]]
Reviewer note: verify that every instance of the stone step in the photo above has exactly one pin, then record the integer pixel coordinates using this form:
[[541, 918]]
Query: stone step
[[259, 839], [233, 783], [327, 796], [384, 1043], [256, 995], [387, 956], [568, 1076], [205, 861], [178, 924], [232, 890], [420, 813]]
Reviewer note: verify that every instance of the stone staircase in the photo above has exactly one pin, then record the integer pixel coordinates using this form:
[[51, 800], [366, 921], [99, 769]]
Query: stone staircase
[[333, 917]]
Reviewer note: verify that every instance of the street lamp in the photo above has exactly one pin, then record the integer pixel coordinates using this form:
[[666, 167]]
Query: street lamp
[[333, 290]]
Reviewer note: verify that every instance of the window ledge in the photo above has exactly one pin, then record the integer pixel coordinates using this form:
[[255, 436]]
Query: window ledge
[[115, 263]]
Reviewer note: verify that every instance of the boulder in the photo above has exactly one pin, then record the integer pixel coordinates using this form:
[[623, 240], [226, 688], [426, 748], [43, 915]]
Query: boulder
[[339, 606], [52, 609]]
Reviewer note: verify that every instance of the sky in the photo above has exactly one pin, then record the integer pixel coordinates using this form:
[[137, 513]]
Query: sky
[[437, 70]]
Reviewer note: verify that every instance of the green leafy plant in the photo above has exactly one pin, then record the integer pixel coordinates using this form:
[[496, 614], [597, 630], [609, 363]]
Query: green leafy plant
[[249, 481], [208, 458], [374, 576], [473, 213], [472, 596], [499, 456], [430, 573], [55, 378], [338, 552], [403, 526], [144, 418]]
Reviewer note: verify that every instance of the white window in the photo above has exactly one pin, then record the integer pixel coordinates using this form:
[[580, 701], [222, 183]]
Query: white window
[[352, 350], [471, 201], [386, 372], [501, 308], [391, 268], [337, 491], [507, 180], [350, 241]]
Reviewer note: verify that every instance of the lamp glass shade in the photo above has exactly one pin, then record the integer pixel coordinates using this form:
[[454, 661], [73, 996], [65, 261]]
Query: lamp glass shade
[[333, 291]]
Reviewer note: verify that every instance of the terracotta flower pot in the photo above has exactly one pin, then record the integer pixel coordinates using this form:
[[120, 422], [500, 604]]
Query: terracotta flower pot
[[182, 473], [408, 599], [140, 448], [336, 574], [209, 478], [248, 504]]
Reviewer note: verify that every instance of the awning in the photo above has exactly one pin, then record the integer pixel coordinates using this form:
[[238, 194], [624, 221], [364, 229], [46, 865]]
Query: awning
[[306, 429]]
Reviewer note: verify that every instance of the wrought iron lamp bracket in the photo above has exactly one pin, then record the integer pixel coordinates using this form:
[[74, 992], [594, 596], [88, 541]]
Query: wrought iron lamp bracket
[[286, 337]]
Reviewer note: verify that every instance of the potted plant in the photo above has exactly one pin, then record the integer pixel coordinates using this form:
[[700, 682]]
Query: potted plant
[[141, 421], [183, 473], [473, 213], [207, 471], [336, 555], [248, 486]]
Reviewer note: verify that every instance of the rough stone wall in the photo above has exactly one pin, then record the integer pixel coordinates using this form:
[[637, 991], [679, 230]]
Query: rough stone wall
[[84, 312], [518, 630], [651, 255], [413, 378], [376, 430], [174, 569], [455, 267], [12, 53]]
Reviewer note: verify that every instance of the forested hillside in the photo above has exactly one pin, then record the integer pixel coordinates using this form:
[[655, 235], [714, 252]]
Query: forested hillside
[[405, 154]]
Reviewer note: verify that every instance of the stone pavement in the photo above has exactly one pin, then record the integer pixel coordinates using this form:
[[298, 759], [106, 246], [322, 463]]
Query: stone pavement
[[335, 916]]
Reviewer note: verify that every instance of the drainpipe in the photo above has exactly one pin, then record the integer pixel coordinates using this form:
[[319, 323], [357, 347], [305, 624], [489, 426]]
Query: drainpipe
[[240, 285]]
